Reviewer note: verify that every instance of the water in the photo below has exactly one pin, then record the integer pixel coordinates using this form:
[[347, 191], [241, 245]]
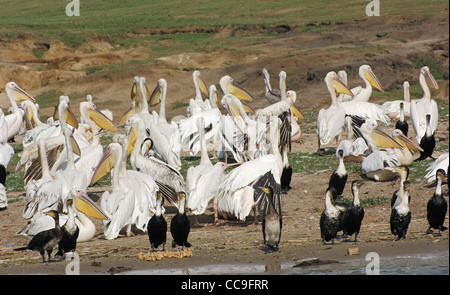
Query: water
[[434, 263]]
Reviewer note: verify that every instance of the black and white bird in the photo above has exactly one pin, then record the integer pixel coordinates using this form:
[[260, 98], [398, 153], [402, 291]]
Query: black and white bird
[[331, 218], [70, 230], [157, 226], [427, 142], [272, 219], [401, 214], [437, 206], [340, 175], [404, 174], [46, 240], [353, 216], [286, 175], [180, 225], [401, 123]]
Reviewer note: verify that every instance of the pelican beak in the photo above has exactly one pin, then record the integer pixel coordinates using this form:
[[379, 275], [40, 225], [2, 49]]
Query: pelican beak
[[101, 120], [134, 88], [105, 165], [408, 143], [85, 205], [264, 189], [69, 117], [21, 95], [132, 140], [75, 147], [28, 117], [232, 165], [297, 112], [155, 97], [248, 109], [216, 99], [340, 87], [239, 92], [202, 87], [383, 140], [431, 78], [373, 80], [130, 111]]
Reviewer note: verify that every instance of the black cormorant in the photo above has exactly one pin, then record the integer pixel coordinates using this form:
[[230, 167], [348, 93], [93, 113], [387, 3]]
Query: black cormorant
[[180, 224], [70, 230], [331, 218], [404, 174], [428, 142], [401, 215], [272, 220], [353, 216], [2, 174], [401, 123], [339, 176], [157, 226], [437, 206], [46, 240]]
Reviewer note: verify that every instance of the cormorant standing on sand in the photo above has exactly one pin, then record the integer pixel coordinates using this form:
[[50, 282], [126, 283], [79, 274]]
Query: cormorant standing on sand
[[70, 230], [180, 224], [401, 215], [353, 216], [272, 220], [437, 206], [331, 218], [157, 226], [46, 240]]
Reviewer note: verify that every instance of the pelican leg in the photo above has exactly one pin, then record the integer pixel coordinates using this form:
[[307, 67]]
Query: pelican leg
[[216, 217], [254, 213], [318, 150]]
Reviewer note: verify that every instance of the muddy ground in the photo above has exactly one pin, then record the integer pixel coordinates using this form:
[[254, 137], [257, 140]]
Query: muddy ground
[[389, 45]]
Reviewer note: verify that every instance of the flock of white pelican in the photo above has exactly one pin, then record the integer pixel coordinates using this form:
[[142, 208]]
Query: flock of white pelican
[[64, 156]]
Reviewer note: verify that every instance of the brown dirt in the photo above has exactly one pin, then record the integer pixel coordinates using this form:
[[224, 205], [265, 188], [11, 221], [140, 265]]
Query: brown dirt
[[389, 45]]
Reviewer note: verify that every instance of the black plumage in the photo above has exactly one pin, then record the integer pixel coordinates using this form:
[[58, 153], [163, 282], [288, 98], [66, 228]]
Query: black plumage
[[157, 226], [331, 218], [401, 123], [45, 240], [437, 206], [2, 174], [353, 216], [339, 176], [427, 142], [180, 225], [401, 215], [286, 175], [272, 220], [70, 230]]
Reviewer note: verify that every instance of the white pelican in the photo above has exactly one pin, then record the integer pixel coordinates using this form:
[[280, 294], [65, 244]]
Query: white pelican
[[229, 86], [203, 178], [274, 95], [363, 93], [251, 140], [170, 131], [420, 108], [441, 162], [197, 104], [14, 120], [6, 151], [392, 108], [239, 192], [168, 179], [296, 132], [405, 155], [83, 207], [119, 204], [380, 165], [108, 113], [39, 129], [354, 149], [92, 154], [331, 121]]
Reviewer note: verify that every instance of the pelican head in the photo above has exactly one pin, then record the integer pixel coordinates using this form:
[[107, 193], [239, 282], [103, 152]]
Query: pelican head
[[97, 116], [228, 86], [404, 141], [85, 205], [366, 73], [17, 93], [335, 84], [425, 71], [291, 97]]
